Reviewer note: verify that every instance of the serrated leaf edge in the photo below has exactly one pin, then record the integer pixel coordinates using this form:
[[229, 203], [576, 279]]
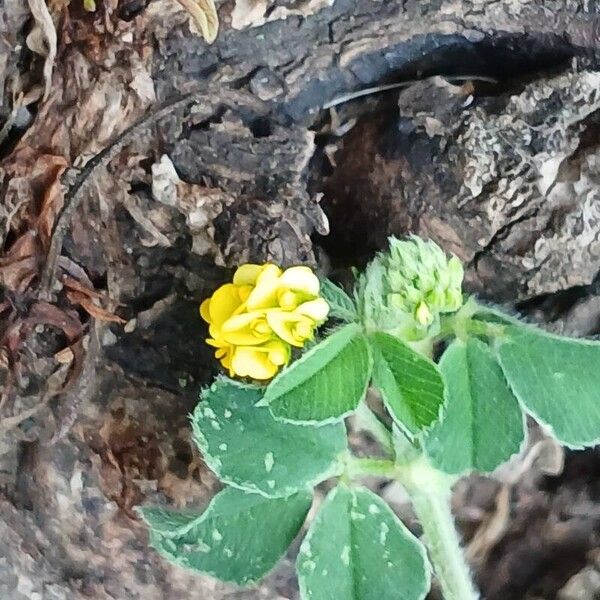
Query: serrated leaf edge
[[247, 582], [423, 431], [312, 422], [419, 546], [215, 464], [546, 427]]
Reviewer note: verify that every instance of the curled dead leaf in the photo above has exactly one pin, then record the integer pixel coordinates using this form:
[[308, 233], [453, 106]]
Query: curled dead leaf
[[492, 530], [100, 313], [204, 15]]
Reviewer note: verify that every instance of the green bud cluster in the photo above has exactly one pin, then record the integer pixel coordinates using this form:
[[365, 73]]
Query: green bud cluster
[[405, 289]]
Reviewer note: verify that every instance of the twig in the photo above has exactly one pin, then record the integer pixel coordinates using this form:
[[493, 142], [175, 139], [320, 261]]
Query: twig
[[80, 390], [79, 180], [393, 86]]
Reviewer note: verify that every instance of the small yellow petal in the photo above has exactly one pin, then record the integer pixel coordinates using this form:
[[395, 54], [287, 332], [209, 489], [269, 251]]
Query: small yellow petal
[[247, 274], [264, 294], [282, 323], [241, 321], [223, 354], [226, 360], [247, 329], [315, 309], [214, 343], [261, 327], [251, 362], [301, 279], [287, 299], [293, 328], [246, 338], [269, 271], [223, 303], [279, 352], [204, 312], [303, 330], [244, 292]]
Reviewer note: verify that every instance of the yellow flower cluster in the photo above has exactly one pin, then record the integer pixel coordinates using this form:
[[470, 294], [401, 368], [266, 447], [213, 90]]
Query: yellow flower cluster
[[255, 320]]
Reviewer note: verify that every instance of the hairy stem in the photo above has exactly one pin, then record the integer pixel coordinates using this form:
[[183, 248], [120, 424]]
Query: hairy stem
[[378, 467], [429, 490]]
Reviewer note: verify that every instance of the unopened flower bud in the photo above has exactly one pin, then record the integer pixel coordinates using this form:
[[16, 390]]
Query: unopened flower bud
[[406, 289]]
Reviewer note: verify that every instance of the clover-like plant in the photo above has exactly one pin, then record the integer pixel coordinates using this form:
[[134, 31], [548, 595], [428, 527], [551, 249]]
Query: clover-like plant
[[455, 380]]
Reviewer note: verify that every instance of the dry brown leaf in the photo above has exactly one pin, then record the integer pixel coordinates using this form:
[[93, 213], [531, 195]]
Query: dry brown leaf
[[204, 15], [199, 204], [34, 190], [75, 271], [52, 198], [92, 309], [100, 313], [37, 189], [19, 266], [145, 222], [44, 313], [45, 25], [77, 286]]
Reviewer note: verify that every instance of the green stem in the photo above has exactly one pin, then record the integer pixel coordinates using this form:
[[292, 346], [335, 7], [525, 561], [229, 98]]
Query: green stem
[[378, 467], [462, 323], [430, 493], [370, 422]]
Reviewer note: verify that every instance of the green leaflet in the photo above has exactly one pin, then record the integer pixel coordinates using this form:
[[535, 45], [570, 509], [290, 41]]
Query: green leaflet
[[327, 383], [340, 304], [357, 549], [239, 537], [410, 384], [483, 425], [557, 380], [249, 449]]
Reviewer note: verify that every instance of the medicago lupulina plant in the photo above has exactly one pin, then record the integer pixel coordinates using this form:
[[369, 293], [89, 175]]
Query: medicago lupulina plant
[[454, 378]]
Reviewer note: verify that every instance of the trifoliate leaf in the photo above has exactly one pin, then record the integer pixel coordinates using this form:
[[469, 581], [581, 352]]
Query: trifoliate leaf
[[248, 448]]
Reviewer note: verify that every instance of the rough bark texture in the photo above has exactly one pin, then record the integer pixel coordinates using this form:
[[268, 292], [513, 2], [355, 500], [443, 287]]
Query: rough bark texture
[[178, 160]]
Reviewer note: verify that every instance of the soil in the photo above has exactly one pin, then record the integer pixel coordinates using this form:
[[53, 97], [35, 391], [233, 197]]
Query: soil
[[149, 164]]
